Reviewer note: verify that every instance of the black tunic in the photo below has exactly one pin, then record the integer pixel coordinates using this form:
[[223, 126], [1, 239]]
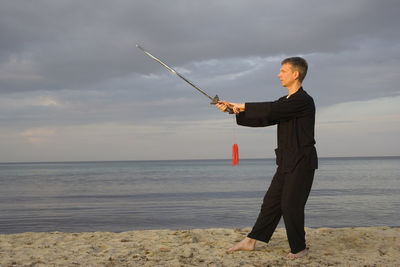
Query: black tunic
[[295, 117]]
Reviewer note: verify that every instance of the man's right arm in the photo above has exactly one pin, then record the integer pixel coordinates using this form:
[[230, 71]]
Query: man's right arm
[[253, 115], [253, 119]]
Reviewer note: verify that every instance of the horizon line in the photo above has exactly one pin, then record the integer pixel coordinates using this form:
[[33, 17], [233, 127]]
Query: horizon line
[[144, 160]]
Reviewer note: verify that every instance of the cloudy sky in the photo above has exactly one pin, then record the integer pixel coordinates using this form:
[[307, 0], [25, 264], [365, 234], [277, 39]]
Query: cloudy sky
[[74, 86]]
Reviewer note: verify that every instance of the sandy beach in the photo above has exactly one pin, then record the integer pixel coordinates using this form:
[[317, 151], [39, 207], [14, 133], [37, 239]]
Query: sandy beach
[[369, 246]]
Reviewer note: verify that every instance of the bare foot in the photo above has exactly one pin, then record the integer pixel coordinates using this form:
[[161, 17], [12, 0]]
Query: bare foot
[[246, 244], [298, 255]]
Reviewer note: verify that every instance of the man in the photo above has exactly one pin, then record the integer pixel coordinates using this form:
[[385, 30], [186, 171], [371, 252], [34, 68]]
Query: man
[[296, 157]]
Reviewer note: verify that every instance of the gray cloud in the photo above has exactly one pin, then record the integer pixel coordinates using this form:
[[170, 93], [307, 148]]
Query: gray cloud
[[72, 45], [74, 63]]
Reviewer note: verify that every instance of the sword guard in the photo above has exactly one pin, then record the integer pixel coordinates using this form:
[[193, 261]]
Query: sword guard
[[215, 100]]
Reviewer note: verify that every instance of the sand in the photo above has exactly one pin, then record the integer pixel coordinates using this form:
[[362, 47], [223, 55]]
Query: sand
[[369, 246]]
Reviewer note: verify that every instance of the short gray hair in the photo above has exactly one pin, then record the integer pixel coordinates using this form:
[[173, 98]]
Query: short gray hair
[[298, 63]]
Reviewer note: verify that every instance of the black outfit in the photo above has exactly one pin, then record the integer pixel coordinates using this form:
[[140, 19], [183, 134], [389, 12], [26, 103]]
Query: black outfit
[[296, 158]]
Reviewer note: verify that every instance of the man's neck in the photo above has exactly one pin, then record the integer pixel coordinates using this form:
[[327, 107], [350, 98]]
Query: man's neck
[[293, 88]]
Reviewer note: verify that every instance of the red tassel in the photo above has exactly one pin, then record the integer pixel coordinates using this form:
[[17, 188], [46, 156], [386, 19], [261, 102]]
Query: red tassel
[[235, 155]]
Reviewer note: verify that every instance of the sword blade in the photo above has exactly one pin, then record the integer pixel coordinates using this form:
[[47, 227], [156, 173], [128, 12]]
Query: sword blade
[[215, 99]]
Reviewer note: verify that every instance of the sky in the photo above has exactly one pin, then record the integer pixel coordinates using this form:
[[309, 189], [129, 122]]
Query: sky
[[74, 87]]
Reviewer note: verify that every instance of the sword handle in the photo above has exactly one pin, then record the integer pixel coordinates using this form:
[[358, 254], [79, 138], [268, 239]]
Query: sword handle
[[229, 110], [215, 100]]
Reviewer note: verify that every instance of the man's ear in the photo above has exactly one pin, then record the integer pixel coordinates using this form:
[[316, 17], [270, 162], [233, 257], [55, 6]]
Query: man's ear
[[296, 74]]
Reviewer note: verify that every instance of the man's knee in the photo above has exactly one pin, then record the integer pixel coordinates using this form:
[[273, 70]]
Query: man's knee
[[292, 207]]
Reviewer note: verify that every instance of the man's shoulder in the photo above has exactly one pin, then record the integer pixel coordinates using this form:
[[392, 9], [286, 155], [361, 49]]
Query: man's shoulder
[[300, 95], [303, 93]]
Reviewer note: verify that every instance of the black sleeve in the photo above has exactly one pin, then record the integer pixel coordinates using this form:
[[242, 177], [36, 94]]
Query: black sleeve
[[281, 109], [253, 116]]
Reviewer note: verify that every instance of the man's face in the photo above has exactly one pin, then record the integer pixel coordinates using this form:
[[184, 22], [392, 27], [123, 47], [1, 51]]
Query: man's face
[[287, 75]]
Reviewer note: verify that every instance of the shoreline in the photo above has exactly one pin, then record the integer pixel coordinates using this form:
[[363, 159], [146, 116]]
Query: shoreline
[[351, 246]]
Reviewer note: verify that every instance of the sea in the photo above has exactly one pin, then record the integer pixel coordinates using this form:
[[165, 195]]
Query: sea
[[118, 196]]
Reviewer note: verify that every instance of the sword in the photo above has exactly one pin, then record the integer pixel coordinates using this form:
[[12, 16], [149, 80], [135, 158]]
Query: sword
[[214, 100]]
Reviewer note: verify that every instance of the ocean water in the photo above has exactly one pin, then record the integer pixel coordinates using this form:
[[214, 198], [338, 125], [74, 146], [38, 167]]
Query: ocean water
[[123, 196]]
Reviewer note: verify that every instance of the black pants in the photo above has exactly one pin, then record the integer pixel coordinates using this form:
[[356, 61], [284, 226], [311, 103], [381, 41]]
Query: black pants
[[286, 196]]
